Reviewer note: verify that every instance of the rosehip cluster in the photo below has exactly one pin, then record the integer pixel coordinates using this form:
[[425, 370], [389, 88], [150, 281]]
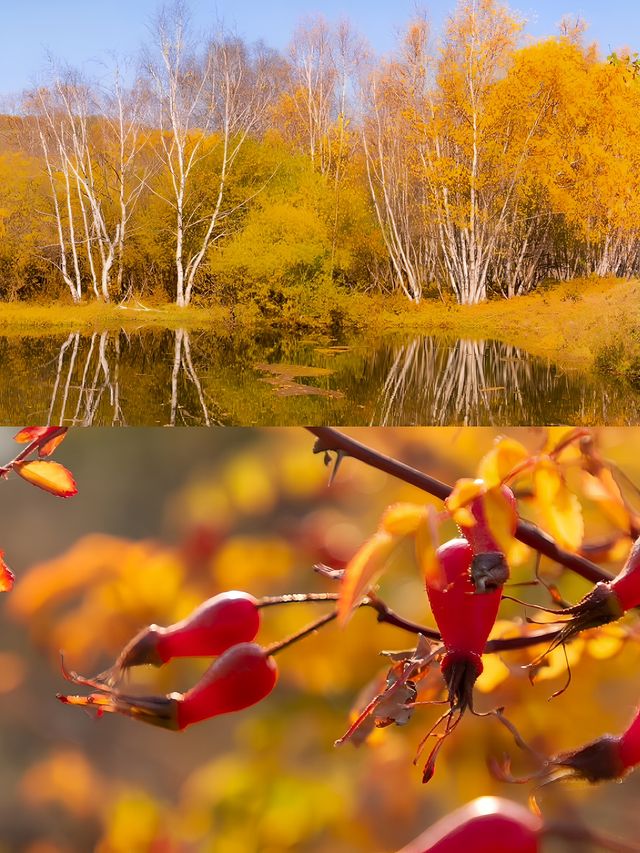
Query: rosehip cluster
[[214, 626], [242, 675]]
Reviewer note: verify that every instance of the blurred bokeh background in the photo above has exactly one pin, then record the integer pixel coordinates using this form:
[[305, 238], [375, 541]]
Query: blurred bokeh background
[[166, 518]]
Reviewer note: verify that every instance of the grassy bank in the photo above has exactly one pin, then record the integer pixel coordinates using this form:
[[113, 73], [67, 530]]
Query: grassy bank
[[24, 318], [576, 324], [570, 322]]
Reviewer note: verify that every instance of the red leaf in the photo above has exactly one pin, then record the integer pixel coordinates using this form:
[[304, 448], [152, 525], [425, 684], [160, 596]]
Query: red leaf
[[6, 575], [33, 433], [50, 476]]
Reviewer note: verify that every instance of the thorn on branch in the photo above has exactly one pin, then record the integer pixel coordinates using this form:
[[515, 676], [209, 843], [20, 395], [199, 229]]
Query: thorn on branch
[[320, 447]]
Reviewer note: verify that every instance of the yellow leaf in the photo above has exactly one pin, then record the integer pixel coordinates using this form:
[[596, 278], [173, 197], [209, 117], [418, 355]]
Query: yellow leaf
[[569, 523], [564, 443], [606, 643], [402, 519], [555, 663], [559, 508], [497, 464], [547, 480], [604, 491], [619, 550], [50, 476], [563, 518], [361, 571], [518, 553], [464, 491], [501, 518], [463, 517]]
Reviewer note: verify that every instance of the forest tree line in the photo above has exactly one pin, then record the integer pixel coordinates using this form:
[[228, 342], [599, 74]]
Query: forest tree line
[[468, 164]]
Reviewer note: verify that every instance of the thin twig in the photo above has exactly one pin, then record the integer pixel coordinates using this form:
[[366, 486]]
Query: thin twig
[[299, 635], [390, 617]]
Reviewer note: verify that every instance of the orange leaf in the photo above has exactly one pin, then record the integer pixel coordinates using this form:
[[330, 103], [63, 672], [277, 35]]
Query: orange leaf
[[464, 491], [33, 433], [50, 476], [6, 575], [361, 571], [48, 448], [28, 434]]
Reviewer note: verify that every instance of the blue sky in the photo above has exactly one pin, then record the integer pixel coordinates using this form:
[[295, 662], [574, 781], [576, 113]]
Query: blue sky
[[69, 31]]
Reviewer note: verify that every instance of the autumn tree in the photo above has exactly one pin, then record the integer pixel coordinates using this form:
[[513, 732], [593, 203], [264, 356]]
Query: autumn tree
[[91, 140], [392, 94], [205, 103], [590, 158]]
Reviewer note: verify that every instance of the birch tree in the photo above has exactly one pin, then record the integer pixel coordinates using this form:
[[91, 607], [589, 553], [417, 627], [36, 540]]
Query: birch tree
[[91, 140], [463, 146], [447, 147], [205, 103], [314, 82], [392, 94]]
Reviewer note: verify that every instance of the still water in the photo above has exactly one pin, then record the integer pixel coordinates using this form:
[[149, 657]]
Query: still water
[[179, 378]]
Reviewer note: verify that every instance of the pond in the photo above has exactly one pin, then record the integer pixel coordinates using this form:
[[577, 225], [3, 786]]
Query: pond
[[178, 378]]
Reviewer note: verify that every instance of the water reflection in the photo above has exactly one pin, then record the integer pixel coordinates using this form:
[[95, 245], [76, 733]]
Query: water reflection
[[183, 364], [86, 387], [473, 382], [82, 376], [161, 377]]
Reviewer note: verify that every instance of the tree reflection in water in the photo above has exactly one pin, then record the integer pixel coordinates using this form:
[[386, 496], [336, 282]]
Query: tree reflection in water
[[182, 362], [152, 376], [88, 387], [87, 381], [477, 382]]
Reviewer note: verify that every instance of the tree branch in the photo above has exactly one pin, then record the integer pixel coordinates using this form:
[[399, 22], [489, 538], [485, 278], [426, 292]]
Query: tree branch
[[386, 614], [330, 439]]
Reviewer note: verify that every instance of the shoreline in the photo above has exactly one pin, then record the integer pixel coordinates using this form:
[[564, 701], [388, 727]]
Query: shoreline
[[569, 323]]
